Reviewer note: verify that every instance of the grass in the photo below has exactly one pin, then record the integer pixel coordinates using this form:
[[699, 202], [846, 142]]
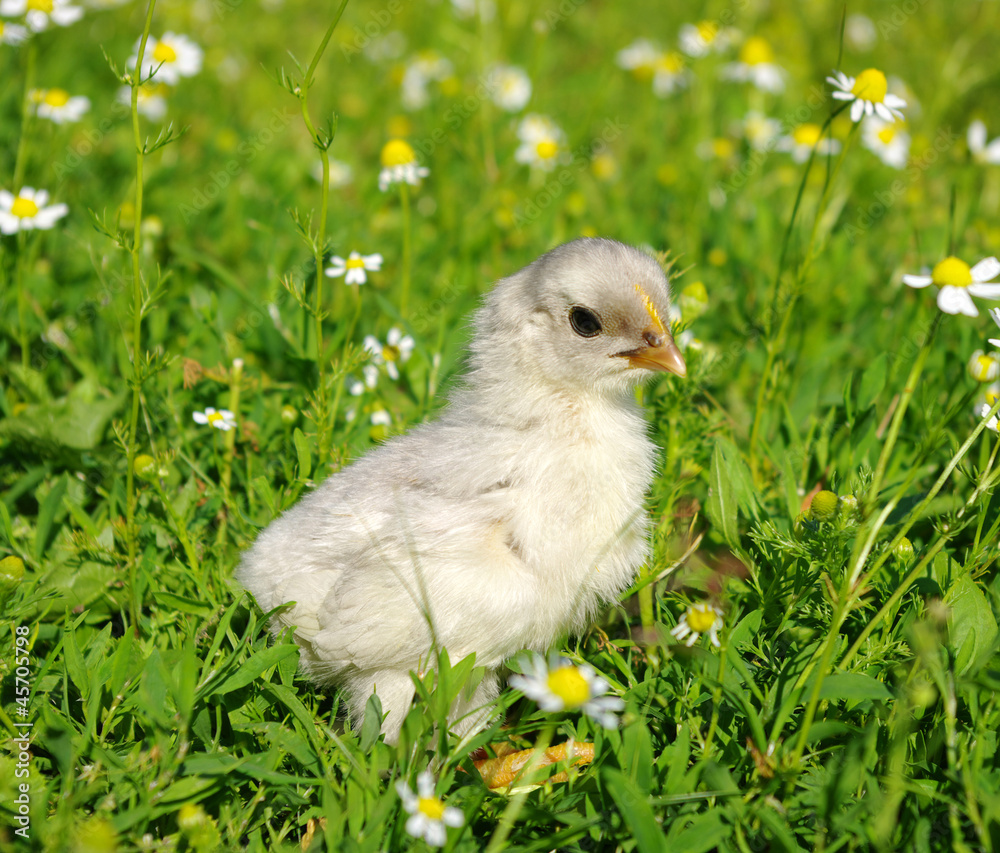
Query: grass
[[853, 702]]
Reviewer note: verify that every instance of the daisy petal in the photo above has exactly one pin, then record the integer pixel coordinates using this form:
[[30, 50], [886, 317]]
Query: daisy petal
[[919, 281], [956, 300], [985, 270]]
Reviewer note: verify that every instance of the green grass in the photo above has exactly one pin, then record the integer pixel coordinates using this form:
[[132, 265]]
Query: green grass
[[852, 705]]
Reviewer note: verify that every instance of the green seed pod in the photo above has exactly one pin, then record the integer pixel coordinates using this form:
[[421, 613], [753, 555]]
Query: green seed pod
[[145, 466], [903, 552], [823, 506], [11, 571]]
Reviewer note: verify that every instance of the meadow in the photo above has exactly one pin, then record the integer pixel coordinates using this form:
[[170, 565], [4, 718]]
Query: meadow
[[178, 366]]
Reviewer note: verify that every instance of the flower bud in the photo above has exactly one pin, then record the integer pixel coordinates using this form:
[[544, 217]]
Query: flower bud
[[823, 506], [903, 552]]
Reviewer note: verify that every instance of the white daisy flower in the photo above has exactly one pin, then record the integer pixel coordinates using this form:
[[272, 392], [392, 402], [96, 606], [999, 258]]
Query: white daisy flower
[[995, 316], [755, 64], [357, 387], [699, 619], [381, 418], [640, 58], [760, 130], [982, 152], [57, 105], [542, 142], [887, 139], [355, 267], [171, 57], [561, 685], [341, 173], [510, 87], [700, 39], [869, 92], [801, 141], [425, 68], [395, 351], [39, 14], [984, 366], [399, 165], [669, 74], [151, 102], [12, 33], [428, 814], [220, 419], [989, 401], [26, 211], [959, 283]]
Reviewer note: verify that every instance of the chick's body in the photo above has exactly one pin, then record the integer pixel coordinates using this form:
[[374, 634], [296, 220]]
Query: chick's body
[[507, 522]]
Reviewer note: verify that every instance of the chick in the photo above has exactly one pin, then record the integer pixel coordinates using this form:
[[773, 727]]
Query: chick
[[505, 524]]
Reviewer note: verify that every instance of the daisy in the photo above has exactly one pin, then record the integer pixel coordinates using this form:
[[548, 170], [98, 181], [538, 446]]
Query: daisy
[[560, 685], [355, 267], [399, 165], [700, 39], [510, 87], [887, 139], [12, 33], [759, 130], [357, 387], [27, 211], [801, 141], [542, 142], [397, 348], [989, 401], [170, 57], [699, 619], [640, 58], [984, 367], [57, 105], [995, 316], [425, 68], [755, 64], [669, 74], [428, 814], [981, 151], [152, 100], [220, 419], [959, 283], [38, 14], [869, 93]]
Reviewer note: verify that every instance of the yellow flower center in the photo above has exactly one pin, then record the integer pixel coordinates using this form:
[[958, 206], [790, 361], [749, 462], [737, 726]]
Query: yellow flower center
[[431, 807], [708, 30], [56, 97], [214, 418], [723, 148], [700, 618], [40, 6], [164, 53], [23, 208], [982, 368], [397, 152], [807, 134], [354, 263], [871, 86], [547, 149], [390, 353], [672, 63], [952, 271], [756, 51], [569, 685], [887, 134]]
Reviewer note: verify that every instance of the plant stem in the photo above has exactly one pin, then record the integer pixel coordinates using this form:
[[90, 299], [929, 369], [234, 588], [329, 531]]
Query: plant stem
[[404, 197], [20, 164], [137, 307], [226, 476]]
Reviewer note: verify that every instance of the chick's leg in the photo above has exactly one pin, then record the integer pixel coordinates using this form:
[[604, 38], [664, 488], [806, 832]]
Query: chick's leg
[[394, 689]]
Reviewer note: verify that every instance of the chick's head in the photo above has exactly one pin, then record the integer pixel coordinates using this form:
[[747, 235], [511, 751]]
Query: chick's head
[[589, 315]]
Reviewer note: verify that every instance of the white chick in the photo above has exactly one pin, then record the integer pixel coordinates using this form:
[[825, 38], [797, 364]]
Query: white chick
[[505, 524]]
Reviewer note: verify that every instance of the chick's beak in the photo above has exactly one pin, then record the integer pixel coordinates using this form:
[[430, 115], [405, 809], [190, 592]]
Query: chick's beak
[[660, 354]]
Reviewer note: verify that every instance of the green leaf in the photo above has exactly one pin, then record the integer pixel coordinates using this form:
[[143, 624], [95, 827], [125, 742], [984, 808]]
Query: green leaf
[[636, 811], [873, 381], [172, 601], [254, 667], [731, 490], [47, 516], [854, 685], [972, 628], [304, 453]]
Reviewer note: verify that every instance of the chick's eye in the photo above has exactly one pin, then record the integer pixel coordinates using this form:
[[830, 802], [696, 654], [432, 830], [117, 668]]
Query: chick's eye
[[584, 322]]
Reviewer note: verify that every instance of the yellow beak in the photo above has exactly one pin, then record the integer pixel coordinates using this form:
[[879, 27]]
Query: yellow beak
[[661, 354]]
